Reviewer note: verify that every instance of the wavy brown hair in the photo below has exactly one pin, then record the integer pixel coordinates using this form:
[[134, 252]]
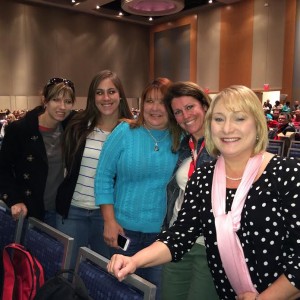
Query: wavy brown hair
[[179, 89], [83, 123]]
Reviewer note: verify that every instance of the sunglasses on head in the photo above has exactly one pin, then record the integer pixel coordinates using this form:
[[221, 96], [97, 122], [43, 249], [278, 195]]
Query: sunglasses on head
[[57, 80]]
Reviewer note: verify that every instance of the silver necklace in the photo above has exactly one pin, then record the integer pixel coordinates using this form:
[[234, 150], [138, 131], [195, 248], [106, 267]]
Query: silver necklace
[[156, 147], [234, 179]]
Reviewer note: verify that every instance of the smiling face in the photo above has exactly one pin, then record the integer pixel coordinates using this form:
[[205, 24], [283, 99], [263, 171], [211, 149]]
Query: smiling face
[[233, 131], [107, 98], [189, 114], [57, 109], [155, 113]]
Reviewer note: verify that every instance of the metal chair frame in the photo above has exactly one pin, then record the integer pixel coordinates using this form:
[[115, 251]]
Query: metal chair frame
[[148, 289]]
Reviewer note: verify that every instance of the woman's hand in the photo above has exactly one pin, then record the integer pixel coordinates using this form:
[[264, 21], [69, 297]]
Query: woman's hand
[[111, 231], [18, 209], [120, 266]]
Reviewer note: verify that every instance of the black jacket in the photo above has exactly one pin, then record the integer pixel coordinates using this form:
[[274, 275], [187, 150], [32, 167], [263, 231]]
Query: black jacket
[[24, 164], [66, 189]]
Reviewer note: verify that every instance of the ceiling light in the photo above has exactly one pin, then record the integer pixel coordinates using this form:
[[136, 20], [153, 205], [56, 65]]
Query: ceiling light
[[150, 19], [210, 1], [97, 6], [120, 13], [152, 7]]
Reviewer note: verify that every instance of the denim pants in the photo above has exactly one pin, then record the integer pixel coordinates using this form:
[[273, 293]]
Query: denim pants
[[86, 227], [139, 241], [50, 218]]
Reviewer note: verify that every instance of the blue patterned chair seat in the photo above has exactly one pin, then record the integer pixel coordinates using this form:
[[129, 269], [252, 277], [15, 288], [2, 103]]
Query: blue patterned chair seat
[[102, 285], [46, 249]]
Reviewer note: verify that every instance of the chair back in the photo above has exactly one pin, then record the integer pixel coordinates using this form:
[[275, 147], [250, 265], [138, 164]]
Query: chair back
[[294, 152], [295, 144], [50, 246], [91, 267], [276, 147], [10, 229]]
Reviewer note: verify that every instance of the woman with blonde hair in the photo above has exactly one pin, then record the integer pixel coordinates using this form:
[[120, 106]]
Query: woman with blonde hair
[[245, 203]]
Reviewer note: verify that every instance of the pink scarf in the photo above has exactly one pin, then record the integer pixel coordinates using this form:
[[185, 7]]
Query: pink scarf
[[229, 245]]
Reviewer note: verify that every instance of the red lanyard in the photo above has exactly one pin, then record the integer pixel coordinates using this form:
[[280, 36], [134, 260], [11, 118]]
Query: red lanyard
[[194, 159]]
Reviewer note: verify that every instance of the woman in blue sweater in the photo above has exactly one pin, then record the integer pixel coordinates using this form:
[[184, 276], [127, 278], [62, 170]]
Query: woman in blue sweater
[[135, 166]]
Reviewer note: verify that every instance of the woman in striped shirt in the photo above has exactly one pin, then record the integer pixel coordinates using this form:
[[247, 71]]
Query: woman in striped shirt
[[78, 215]]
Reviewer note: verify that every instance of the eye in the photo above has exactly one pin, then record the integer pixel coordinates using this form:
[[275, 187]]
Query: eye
[[240, 118], [112, 91], [177, 112], [218, 119], [99, 92], [68, 101], [189, 107], [149, 100]]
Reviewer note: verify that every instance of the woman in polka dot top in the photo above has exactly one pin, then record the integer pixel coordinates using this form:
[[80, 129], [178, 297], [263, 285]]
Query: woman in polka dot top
[[268, 231]]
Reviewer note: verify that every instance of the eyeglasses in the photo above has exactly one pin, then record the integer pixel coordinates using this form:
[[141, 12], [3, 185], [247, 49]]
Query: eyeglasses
[[57, 80]]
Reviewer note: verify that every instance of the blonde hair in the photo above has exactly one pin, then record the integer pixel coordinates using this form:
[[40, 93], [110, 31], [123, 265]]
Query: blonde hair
[[238, 97]]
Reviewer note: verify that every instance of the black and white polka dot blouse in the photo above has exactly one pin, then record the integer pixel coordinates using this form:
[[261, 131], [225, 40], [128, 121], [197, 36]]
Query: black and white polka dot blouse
[[270, 225]]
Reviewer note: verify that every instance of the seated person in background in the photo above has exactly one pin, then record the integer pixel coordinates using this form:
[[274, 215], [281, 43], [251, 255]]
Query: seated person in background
[[295, 106], [274, 122], [296, 118], [9, 119], [267, 106], [286, 107], [277, 105], [270, 123], [284, 126]]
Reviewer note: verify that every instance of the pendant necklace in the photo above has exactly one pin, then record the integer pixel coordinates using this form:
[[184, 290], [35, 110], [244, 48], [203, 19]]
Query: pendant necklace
[[156, 147], [234, 179]]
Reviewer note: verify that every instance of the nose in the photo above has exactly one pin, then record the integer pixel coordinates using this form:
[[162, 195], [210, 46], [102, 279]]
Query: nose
[[155, 105], [185, 114], [227, 126], [62, 104], [106, 96]]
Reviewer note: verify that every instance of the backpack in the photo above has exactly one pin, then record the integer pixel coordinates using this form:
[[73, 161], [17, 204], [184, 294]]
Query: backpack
[[59, 287], [23, 274]]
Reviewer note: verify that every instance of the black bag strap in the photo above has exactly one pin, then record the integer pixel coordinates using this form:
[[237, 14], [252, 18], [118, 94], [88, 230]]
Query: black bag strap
[[77, 283]]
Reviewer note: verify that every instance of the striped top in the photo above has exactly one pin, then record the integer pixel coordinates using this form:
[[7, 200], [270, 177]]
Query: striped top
[[84, 191]]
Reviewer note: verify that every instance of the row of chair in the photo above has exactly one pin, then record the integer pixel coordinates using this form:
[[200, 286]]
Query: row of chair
[[53, 249], [279, 147]]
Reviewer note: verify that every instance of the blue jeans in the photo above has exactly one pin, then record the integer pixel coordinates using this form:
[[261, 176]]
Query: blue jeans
[[50, 218], [86, 227], [139, 241]]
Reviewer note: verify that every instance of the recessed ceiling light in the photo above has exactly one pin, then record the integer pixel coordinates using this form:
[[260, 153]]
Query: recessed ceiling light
[[97, 6], [152, 7]]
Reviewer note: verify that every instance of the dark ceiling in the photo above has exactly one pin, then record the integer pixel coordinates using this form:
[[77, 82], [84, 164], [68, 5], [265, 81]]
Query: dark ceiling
[[111, 9]]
